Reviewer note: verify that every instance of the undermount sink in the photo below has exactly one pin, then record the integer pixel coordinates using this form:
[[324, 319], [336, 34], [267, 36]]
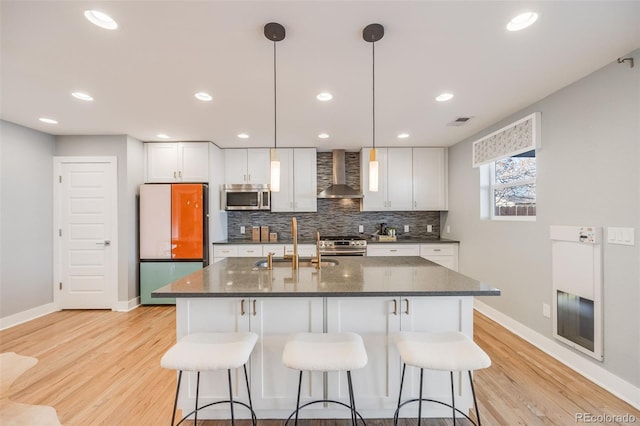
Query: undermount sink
[[278, 262]]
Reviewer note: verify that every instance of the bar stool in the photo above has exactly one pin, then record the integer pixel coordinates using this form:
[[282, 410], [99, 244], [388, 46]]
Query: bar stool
[[208, 352], [325, 352], [445, 351]]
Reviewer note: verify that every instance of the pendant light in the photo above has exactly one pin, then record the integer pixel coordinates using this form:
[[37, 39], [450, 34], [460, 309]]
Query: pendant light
[[371, 34], [274, 32]]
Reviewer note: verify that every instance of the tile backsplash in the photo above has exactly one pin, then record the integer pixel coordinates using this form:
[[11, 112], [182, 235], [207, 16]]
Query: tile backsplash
[[334, 216]]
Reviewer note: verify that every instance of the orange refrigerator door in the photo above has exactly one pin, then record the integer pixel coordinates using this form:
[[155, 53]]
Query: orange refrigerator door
[[187, 221]]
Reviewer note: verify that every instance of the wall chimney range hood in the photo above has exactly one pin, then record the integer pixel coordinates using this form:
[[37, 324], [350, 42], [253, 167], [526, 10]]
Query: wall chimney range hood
[[339, 188]]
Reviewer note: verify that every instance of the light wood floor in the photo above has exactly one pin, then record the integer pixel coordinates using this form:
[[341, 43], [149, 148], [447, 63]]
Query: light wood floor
[[103, 368]]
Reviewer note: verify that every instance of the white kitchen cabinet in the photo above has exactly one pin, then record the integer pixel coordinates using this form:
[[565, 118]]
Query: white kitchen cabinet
[[250, 250], [376, 385], [273, 386], [172, 162], [247, 166], [222, 251], [304, 250], [430, 179], [393, 249], [394, 180], [442, 254], [298, 181]]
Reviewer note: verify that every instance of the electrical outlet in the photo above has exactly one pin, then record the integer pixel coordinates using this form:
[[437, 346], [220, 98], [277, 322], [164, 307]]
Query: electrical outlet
[[242, 230], [429, 228], [546, 310], [406, 228], [360, 229]]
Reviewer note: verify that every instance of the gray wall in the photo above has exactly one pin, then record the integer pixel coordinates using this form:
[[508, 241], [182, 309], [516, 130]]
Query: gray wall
[[130, 175], [587, 175], [26, 241]]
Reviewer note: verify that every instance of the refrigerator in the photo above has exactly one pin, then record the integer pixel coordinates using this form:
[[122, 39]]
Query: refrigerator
[[173, 235]]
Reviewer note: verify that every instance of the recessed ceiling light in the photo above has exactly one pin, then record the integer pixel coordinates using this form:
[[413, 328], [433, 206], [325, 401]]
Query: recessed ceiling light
[[324, 96], [403, 135], [163, 136], [243, 136], [82, 96], [522, 21], [444, 97], [323, 135], [48, 120], [203, 96], [101, 19]]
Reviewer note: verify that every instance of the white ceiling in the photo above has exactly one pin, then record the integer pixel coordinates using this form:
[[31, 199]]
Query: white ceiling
[[143, 76]]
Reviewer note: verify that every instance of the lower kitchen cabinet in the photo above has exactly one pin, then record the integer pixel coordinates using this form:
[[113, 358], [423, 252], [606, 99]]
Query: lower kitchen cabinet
[[442, 254], [393, 249], [154, 275], [274, 319], [377, 320], [273, 386]]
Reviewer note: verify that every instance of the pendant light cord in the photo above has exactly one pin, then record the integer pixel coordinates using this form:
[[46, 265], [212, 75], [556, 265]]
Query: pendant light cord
[[275, 100], [373, 49]]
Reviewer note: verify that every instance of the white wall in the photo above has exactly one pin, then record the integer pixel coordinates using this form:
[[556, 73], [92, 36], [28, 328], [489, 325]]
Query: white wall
[[135, 177], [588, 174], [217, 214], [26, 225]]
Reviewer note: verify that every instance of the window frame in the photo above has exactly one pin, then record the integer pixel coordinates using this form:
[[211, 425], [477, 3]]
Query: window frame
[[493, 186]]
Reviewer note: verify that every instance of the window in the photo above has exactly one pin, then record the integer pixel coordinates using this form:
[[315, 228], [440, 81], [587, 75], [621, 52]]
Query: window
[[507, 162], [513, 186]]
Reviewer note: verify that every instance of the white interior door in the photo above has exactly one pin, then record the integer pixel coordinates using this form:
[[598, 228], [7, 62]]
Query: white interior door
[[85, 221]]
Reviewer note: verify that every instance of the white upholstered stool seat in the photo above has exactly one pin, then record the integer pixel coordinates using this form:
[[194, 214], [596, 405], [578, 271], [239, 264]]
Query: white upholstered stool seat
[[210, 351], [325, 352], [445, 351], [207, 352]]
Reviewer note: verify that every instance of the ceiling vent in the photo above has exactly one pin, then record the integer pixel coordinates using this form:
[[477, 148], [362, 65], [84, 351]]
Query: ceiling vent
[[460, 121]]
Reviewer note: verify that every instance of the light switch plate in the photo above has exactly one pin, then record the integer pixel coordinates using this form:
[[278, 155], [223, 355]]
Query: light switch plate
[[242, 229], [406, 228], [623, 236], [429, 228], [360, 229]]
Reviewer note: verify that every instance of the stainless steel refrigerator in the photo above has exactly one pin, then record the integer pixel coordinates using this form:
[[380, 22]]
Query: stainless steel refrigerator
[[173, 235]]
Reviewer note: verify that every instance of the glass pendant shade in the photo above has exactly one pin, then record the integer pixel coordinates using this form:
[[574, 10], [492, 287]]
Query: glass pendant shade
[[275, 172], [373, 171]]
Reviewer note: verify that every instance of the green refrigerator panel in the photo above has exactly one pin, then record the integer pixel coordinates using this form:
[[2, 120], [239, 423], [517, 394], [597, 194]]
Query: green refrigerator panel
[[154, 275]]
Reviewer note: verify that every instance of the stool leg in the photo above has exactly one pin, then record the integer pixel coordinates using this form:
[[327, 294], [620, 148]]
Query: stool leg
[[475, 402], [246, 379], [397, 413], [175, 403], [197, 393], [352, 401], [420, 400], [233, 422], [298, 399], [453, 400]]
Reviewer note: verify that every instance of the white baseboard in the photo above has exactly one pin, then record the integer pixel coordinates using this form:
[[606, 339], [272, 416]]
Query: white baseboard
[[587, 368], [127, 306], [28, 315]]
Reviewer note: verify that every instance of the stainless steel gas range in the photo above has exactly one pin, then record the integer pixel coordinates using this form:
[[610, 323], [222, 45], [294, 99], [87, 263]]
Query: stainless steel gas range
[[343, 246]]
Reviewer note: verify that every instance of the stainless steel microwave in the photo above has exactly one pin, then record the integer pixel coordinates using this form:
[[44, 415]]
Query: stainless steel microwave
[[246, 197]]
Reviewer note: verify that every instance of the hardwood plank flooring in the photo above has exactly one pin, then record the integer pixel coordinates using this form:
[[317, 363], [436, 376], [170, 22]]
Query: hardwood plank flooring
[[103, 368]]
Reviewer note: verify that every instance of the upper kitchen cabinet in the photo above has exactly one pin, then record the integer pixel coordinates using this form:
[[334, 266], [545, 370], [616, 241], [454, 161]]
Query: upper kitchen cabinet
[[170, 162], [430, 179], [298, 181], [247, 166], [394, 180]]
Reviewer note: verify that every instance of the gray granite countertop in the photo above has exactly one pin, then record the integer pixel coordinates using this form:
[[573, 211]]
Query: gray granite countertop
[[400, 240], [352, 276]]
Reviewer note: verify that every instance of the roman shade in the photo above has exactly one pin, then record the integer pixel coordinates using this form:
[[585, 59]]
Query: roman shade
[[513, 139]]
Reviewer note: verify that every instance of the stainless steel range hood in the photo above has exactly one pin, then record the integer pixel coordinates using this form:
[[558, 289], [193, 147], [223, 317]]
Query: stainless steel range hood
[[339, 188]]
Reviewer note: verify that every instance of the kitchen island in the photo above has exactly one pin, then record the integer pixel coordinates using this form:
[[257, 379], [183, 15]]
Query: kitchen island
[[372, 296]]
